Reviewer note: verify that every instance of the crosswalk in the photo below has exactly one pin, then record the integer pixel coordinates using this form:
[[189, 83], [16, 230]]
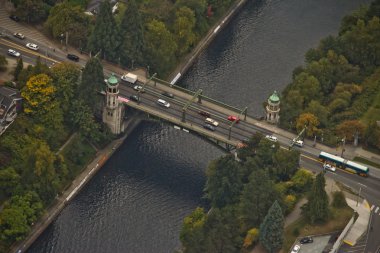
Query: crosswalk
[[375, 209]]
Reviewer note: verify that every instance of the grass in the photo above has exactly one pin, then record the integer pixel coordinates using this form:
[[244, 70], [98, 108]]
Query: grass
[[338, 220], [365, 161]]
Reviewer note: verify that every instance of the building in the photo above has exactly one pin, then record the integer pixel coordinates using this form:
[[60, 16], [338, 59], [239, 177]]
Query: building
[[113, 110], [10, 105], [273, 108]]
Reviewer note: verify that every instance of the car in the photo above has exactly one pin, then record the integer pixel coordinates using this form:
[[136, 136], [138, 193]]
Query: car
[[138, 88], [211, 122], [296, 249], [329, 167], [298, 143], [233, 118], [167, 94], [271, 138], [13, 53], [209, 127], [19, 35], [163, 103], [134, 98], [307, 239], [72, 57], [204, 113], [32, 46], [14, 18]]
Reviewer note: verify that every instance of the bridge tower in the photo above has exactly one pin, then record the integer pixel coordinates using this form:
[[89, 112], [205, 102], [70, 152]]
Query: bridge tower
[[273, 108], [113, 110]]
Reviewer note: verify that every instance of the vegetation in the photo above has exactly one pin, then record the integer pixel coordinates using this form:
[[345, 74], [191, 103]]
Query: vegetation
[[272, 228], [337, 93], [32, 171]]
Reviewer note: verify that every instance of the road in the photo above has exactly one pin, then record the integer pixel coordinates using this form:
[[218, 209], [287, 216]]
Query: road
[[370, 187]]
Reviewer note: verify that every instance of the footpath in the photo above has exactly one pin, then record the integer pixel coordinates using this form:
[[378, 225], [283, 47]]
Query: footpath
[[80, 181]]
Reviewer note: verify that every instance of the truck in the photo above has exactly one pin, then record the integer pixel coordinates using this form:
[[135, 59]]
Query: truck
[[129, 77]]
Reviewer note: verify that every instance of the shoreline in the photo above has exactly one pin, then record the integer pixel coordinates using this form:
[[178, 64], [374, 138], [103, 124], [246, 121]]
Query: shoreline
[[77, 184]]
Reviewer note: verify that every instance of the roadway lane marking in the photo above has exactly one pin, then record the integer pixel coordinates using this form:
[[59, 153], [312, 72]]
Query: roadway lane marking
[[377, 209], [372, 207]]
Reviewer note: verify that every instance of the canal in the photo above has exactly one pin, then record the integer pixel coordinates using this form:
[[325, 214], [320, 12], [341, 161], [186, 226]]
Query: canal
[[137, 202]]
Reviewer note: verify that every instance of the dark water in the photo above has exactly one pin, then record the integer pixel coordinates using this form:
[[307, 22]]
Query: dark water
[[137, 202]]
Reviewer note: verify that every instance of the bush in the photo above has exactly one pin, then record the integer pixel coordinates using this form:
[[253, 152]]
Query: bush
[[339, 201], [251, 237]]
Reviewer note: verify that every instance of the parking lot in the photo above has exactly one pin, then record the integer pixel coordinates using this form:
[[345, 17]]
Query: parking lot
[[317, 246]]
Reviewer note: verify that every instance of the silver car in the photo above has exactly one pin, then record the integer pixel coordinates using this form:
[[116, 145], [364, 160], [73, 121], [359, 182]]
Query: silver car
[[13, 53]]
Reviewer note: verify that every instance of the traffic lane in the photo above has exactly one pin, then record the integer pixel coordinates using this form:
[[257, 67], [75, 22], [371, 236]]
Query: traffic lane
[[373, 242]]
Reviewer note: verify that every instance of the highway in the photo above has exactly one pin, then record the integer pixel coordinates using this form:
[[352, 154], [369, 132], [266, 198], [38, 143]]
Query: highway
[[370, 187]]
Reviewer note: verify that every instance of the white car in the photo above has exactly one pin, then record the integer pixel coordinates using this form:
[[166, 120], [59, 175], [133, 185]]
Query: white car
[[298, 143], [163, 103], [138, 88], [296, 249], [329, 167], [271, 138], [13, 53], [211, 122], [32, 46]]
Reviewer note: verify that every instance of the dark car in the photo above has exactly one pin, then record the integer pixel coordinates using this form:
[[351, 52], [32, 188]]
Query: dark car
[[307, 239], [73, 57], [14, 18], [134, 98], [167, 94], [204, 113], [209, 127]]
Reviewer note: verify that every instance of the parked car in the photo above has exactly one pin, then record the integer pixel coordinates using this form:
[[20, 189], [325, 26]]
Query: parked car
[[13, 53], [211, 122], [14, 18], [233, 118], [32, 46], [167, 94], [19, 35], [72, 57], [209, 127], [271, 138], [307, 239], [134, 98], [163, 103], [204, 113], [329, 167], [296, 249], [138, 88]]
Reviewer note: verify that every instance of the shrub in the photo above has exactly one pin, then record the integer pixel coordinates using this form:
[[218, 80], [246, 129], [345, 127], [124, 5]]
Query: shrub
[[251, 237], [339, 201]]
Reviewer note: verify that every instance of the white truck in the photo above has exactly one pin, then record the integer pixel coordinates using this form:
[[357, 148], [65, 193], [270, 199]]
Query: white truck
[[129, 77]]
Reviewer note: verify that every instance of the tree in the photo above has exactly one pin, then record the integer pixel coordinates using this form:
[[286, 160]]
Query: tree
[[254, 202], [183, 29], [272, 229], [372, 135], [224, 185], [82, 118], [350, 128], [133, 37], [339, 200], [286, 163], [92, 83], [308, 86], [310, 121], [9, 179], [316, 210], [66, 18], [18, 69], [199, 8], [251, 238], [192, 233], [32, 11], [160, 46], [105, 37], [320, 111], [302, 181], [3, 62]]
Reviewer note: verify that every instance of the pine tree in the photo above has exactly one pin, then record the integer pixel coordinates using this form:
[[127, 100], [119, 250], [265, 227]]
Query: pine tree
[[105, 37], [317, 208], [19, 67], [272, 229], [133, 38]]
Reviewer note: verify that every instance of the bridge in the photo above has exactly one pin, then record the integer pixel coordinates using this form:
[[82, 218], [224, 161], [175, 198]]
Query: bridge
[[186, 109]]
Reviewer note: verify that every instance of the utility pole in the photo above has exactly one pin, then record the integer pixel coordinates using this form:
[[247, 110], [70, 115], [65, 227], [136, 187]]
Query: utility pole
[[343, 145]]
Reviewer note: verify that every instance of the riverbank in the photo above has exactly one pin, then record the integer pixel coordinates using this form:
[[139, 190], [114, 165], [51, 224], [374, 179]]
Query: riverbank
[[81, 180]]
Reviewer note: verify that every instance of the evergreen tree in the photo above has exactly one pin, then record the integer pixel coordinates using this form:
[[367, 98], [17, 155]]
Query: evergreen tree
[[133, 38], [317, 208], [272, 229], [19, 67], [92, 82], [105, 36]]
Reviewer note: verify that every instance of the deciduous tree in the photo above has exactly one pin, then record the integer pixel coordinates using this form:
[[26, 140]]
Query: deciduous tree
[[18, 69], [350, 128], [310, 121], [192, 233], [184, 29]]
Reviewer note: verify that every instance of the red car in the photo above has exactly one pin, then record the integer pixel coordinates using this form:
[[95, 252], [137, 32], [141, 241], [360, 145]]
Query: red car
[[233, 118]]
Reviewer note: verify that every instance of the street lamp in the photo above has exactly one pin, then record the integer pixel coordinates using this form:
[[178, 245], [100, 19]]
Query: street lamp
[[360, 190]]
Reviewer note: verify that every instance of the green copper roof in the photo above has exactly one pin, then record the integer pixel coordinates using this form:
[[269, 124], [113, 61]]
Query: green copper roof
[[274, 97], [112, 80]]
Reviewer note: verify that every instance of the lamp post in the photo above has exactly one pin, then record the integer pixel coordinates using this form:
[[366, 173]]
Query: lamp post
[[360, 190]]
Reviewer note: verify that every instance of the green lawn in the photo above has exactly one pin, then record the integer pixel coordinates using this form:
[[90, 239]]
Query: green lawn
[[338, 220], [365, 161]]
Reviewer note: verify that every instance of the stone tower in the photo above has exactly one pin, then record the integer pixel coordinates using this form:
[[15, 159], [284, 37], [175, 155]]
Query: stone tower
[[273, 108], [113, 110]]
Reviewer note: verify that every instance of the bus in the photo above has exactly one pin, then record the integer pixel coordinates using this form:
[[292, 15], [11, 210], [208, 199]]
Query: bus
[[342, 163]]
